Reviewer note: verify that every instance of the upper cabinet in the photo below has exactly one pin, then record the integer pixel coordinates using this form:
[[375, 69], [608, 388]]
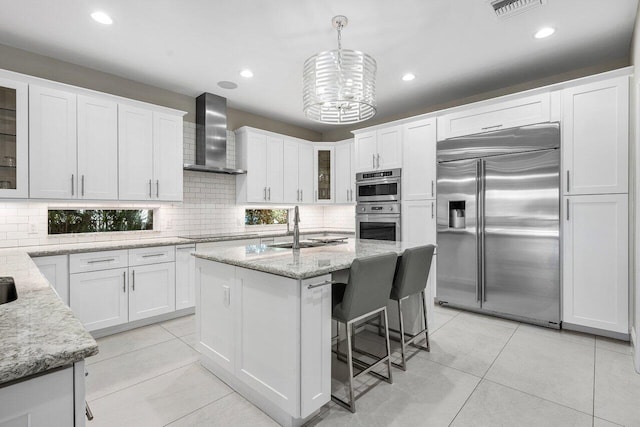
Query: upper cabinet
[[298, 171], [419, 160], [595, 126], [167, 156], [502, 115], [379, 149], [262, 156], [345, 175], [324, 174], [14, 139]]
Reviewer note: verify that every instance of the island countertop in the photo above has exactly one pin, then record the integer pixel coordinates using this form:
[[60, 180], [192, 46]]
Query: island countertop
[[304, 263]]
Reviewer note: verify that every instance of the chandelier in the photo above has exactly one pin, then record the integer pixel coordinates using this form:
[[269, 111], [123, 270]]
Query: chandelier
[[339, 86]]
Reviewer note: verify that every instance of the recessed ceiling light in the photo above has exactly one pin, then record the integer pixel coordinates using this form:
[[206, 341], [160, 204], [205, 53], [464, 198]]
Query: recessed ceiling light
[[408, 77], [246, 73], [544, 32], [102, 18], [224, 84]]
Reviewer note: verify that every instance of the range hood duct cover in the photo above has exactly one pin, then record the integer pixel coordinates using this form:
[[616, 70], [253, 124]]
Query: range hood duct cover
[[211, 136]]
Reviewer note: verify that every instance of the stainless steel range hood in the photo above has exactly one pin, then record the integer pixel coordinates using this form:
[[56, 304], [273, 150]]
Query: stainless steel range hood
[[211, 136]]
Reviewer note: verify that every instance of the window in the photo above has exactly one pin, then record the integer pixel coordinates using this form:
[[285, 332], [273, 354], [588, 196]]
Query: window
[[99, 220], [266, 216]]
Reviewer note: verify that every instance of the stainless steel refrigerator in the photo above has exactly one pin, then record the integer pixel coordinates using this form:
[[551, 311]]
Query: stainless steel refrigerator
[[498, 205]]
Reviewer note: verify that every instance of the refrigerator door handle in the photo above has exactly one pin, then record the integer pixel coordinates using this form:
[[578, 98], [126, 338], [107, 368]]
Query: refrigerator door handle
[[567, 209], [483, 287], [478, 237]]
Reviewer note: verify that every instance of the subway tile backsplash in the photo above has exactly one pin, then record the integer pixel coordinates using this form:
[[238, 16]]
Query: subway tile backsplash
[[208, 207]]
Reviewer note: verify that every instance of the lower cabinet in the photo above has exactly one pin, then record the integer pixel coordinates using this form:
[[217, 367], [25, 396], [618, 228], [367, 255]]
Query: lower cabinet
[[152, 290], [185, 276], [595, 262], [100, 298], [56, 270], [419, 221]]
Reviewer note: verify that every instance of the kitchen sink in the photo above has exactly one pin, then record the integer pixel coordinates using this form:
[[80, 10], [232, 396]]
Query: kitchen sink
[[303, 245], [8, 291]]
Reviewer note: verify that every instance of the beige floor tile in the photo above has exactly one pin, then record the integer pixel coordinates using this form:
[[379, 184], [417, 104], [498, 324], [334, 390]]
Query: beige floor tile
[[562, 334], [599, 422], [557, 370], [489, 320], [618, 346], [617, 388], [231, 410], [181, 326], [191, 340], [131, 368], [125, 342], [469, 344], [160, 400], [441, 318], [492, 404]]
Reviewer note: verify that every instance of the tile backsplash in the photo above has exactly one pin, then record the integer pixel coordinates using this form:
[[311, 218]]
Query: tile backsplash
[[208, 207]]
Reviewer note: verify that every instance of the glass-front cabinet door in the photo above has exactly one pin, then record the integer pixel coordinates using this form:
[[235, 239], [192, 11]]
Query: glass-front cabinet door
[[13, 139], [324, 174]]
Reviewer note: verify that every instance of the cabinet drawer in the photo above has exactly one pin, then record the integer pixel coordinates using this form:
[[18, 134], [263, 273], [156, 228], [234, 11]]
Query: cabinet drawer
[[93, 261], [155, 255], [503, 115]]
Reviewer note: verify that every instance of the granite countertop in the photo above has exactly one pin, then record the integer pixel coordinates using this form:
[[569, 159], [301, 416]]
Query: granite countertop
[[38, 332], [304, 263]]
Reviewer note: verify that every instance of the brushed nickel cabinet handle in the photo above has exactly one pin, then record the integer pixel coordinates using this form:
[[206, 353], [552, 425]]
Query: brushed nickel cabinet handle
[[124, 281], [492, 127], [269, 193], [431, 210], [82, 180], [72, 184], [373, 160], [567, 209], [568, 181], [153, 255], [317, 285], [95, 261], [133, 281], [158, 188], [150, 189], [264, 193], [432, 189], [378, 160], [301, 195]]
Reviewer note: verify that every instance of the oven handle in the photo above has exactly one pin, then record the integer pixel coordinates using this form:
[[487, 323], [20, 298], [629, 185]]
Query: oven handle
[[378, 181]]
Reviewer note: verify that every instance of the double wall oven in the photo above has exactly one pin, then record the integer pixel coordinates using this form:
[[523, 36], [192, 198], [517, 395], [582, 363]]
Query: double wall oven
[[378, 205]]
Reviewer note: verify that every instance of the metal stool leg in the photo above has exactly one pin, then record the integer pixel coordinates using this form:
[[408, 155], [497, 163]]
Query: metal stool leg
[[402, 365], [386, 337], [87, 411], [426, 323]]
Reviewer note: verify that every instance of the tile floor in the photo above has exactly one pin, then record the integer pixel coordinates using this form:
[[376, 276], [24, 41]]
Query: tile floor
[[481, 371]]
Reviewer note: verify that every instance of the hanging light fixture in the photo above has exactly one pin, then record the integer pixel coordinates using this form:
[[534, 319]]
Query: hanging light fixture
[[339, 85]]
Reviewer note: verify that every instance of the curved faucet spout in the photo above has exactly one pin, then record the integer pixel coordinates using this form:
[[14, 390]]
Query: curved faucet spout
[[296, 230]]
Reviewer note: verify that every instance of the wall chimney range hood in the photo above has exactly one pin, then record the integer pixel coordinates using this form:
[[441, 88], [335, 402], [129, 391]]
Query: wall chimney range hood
[[211, 136]]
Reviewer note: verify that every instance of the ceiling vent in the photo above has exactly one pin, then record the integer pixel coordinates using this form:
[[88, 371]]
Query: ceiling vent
[[508, 8]]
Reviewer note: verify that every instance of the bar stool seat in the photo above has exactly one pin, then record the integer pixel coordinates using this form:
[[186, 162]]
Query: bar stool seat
[[366, 294], [412, 272]]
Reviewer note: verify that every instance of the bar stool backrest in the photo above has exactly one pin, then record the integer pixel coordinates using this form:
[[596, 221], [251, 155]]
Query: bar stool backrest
[[370, 280], [412, 272]]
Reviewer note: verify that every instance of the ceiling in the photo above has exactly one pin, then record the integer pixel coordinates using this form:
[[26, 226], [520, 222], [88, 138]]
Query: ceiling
[[456, 48]]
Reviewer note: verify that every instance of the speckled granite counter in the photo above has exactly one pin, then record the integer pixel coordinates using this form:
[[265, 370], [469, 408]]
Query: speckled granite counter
[[305, 263], [38, 332]]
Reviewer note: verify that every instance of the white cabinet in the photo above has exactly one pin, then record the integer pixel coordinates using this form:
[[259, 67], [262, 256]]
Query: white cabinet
[[297, 171], [419, 221], [262, 156], [185, 276], [135, 158], [419, 160], [99, 299], [595, 127], [152, 290], [345, 172], [501, 115], [56, 270], [52, 144], [167, 156], [379, 149], [97, 149], [595, 262], [324, 174], [14, 139]]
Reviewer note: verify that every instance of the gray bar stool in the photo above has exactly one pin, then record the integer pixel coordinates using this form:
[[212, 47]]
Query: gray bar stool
[[366, 294], [411, 277]]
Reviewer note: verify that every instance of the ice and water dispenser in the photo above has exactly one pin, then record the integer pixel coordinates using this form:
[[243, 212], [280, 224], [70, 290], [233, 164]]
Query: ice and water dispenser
[[457, 213]]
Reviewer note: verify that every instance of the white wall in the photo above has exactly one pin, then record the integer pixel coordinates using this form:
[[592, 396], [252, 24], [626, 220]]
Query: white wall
[[208, 207]]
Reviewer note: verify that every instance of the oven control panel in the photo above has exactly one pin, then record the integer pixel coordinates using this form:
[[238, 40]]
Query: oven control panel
[[378, 208]]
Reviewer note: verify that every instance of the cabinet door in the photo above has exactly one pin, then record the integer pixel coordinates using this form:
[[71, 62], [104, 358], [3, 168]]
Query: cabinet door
[[344, 191], [99, 298], [167, 157], [152, 290], [256, 168], [135, 153], [305, 172], [419, 165], [274, 160], [185, 276], [14, 139], [52, 144], [389, 154], [366, 151], [324, 175], [291, 189], [56, 270], [419, 222], [595, 285], [596, 137], [97, 149]]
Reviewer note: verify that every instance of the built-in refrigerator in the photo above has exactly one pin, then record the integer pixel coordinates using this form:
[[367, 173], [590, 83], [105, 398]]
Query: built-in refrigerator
[[498, 223]]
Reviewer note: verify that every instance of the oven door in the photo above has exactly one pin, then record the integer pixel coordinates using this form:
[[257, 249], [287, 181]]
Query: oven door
[[379, 190], [378, 227]]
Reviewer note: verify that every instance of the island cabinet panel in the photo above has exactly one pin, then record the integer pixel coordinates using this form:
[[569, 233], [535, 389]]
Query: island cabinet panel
[[55, 269], [216, 300], [152, 290], [185, 276], [268, 336]]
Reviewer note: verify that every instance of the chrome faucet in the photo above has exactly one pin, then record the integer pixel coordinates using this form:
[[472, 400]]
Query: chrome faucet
[[296, 231]]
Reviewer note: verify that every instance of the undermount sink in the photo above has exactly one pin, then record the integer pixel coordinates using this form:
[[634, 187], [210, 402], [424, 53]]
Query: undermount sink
[[8, 291], [290, 245]]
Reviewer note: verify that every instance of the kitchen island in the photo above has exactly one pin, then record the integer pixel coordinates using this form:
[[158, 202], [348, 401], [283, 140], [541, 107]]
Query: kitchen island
[[263, 319]]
